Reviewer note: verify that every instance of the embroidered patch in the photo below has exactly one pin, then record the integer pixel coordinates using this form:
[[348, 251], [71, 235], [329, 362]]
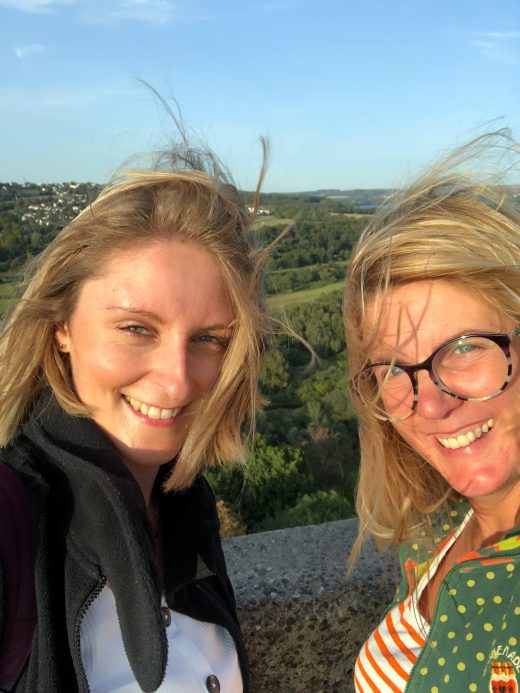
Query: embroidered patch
[[508, 652], [503, 678]]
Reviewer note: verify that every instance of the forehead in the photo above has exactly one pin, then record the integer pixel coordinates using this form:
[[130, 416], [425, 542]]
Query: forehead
[[162, 277], [418, 316], [142, 252]]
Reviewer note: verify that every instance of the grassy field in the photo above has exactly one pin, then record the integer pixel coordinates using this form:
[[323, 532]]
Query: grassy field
[[271, 221], [295, 297], [352, 215], [306, 268]]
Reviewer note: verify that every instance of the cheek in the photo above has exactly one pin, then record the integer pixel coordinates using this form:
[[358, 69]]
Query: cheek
[[404, 430], [509, 401], [418, 442], [94, 368], [205, 371]]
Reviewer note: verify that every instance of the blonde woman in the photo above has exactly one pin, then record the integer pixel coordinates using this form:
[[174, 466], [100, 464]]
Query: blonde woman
[[432, 315], [128, 365]]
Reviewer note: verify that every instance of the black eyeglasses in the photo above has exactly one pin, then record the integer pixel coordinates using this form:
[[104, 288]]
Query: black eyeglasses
[[474, 366]]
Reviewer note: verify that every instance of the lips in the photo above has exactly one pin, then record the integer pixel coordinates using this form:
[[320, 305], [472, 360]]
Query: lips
[[465, 439], [152, 412]]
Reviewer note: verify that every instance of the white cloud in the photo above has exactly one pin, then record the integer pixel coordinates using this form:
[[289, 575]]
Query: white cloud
[[280, 6], [20, 102], [500, 35], [148, 11], [496, 52], [31, 49], [35, 6], [497, 46], [103, 11]]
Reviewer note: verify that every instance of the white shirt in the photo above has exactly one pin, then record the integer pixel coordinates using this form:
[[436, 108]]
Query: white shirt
[[196, 650]]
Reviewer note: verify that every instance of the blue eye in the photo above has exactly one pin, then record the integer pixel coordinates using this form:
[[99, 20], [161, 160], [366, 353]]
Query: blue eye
[[464, 347], [211, 343], [138, 330], [395, 371], [386, 373]]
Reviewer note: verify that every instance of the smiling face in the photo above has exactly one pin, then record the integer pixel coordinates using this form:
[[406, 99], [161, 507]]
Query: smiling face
[[145, 342], [474, 445]]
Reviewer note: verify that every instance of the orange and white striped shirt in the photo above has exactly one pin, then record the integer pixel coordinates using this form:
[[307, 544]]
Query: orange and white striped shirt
[[388, 656]]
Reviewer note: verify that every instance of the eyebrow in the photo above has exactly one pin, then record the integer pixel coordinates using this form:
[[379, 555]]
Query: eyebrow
[[153, 316], [136, 311], [403, 361]]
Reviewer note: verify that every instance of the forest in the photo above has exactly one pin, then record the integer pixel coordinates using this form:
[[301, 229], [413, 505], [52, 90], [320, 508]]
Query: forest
[[303, 459], [303, 456]]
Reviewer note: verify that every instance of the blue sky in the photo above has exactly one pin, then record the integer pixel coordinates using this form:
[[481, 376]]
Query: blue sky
[[350, 94]]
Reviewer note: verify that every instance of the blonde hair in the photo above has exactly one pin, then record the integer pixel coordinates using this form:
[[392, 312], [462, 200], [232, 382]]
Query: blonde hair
[[445, 226], [141, 207]]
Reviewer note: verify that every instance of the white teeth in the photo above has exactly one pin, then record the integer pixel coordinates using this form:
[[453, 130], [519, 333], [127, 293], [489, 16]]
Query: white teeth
[[152, 412], [466, 439]]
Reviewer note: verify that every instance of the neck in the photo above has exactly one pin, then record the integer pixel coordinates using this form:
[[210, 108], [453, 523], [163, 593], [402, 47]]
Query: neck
[[496, 515]]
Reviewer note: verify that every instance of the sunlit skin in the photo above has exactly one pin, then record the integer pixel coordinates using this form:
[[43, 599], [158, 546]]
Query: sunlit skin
[[420, 316], [153, 329]]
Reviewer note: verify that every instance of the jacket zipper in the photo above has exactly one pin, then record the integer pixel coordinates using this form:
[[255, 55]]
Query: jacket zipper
[[77, 631], [436, 607]]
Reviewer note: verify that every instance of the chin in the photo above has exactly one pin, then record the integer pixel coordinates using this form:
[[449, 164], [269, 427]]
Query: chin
[[145, 457], [482, 486]]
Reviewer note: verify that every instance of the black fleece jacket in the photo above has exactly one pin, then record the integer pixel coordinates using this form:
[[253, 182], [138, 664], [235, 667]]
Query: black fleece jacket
[[90, 525]]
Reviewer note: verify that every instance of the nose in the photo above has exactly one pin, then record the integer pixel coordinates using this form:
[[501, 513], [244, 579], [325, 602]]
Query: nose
[[433, 403], [172, 374]]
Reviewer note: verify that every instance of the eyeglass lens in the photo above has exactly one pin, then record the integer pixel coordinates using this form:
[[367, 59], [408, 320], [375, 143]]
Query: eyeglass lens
[[471, 367]]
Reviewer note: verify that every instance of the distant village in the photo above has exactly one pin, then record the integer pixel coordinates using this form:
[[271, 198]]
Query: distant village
[[53, 204], [46, 204]]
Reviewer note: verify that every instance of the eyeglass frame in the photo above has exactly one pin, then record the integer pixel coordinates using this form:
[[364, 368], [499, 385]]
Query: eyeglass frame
[[501, 339]]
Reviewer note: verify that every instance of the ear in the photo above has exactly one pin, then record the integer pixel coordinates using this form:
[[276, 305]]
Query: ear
[[62, 338]]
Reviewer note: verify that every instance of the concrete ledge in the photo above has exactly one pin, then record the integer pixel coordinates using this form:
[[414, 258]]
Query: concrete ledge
[[303, 618]]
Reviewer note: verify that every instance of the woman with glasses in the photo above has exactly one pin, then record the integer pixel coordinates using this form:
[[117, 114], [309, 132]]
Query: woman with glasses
[[432, 316]]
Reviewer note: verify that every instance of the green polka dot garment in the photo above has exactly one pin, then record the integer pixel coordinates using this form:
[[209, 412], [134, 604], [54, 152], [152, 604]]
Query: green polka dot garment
[[474, 639]]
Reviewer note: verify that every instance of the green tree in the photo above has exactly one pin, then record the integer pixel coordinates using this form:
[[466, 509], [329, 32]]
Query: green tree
[[275, 374], [312, 509], [273, 479]]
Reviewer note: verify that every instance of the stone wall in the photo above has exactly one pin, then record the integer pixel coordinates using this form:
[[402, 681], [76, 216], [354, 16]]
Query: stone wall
[[303, 617]]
